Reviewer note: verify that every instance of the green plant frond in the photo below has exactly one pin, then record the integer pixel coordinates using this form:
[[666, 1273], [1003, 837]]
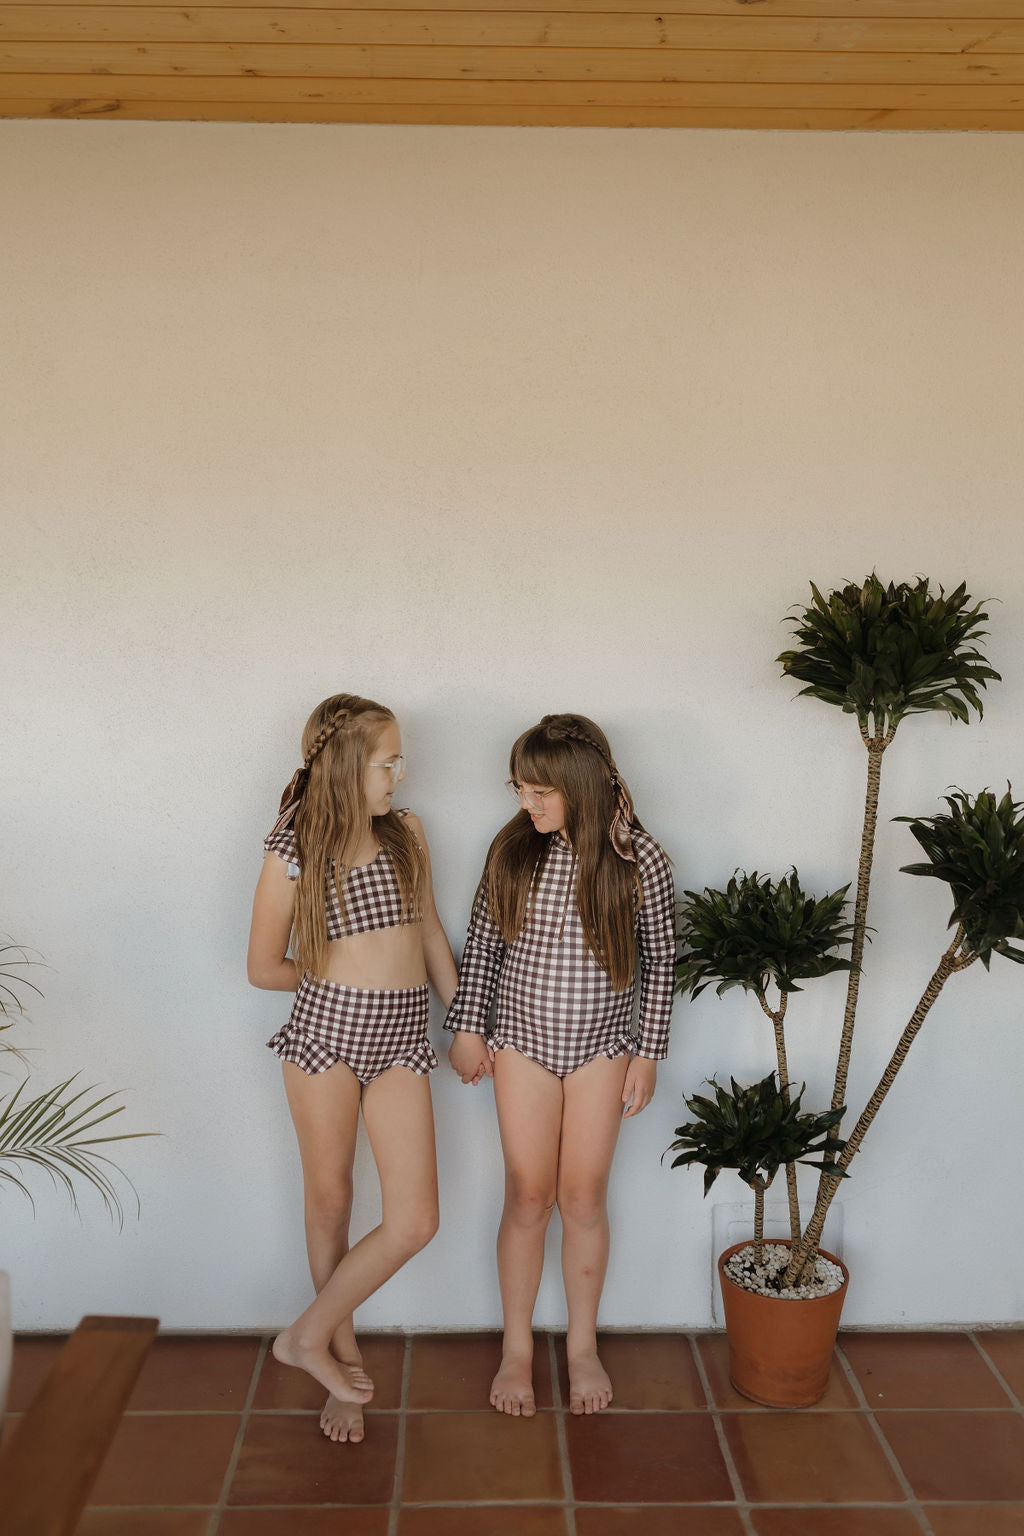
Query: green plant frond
[[51, 1132], [13, 959], [759, 931], [752, 1130], [977, 848], [884, 652]]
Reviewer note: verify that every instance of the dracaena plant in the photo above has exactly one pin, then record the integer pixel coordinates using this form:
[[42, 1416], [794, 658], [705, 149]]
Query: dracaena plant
[[757, 1130], [64, 1131], [882, 653], [760, 934]]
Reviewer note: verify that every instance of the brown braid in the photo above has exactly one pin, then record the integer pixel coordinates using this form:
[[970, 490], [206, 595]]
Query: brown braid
[[568, 729]]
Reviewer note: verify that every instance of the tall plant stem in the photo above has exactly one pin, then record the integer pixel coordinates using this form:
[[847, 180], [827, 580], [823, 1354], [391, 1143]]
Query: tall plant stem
[[777, 1015], [951, 961], [876, 746], [759, 1188]]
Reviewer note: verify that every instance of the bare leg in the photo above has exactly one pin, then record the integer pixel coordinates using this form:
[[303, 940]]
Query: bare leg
[[529, 1103], [325, 1112], [400, 1124], [590, 1128]]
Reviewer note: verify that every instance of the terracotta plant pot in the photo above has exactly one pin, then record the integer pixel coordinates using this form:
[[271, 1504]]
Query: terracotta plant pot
[[780, 1349]]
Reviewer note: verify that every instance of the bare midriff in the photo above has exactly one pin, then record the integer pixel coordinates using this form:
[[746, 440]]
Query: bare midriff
[[385, 959]]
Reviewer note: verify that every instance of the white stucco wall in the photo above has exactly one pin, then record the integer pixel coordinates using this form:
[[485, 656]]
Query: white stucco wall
[[486, 423]]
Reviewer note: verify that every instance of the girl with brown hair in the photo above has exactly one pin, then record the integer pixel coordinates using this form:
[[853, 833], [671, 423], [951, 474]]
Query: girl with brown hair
[[574, 893], [346, 881]]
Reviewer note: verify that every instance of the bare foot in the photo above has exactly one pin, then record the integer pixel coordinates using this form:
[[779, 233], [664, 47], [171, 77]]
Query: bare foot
[[342, 1421], [590, 1388], [348, 1383], [512, 1388]]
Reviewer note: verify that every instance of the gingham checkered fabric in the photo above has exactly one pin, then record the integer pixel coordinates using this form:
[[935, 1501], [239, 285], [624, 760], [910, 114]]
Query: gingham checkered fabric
[[554, 1002], [369, 1031], [372, 898]]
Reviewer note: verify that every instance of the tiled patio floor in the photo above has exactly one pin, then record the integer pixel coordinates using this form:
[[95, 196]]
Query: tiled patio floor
[[918, 1433]]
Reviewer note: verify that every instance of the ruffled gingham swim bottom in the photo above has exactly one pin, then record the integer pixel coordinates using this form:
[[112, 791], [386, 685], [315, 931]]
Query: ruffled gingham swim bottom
[[368, 1030]]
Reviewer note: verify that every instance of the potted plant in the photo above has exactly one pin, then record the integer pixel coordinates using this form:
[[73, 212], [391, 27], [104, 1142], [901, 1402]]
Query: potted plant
[[56, 1130], [880, 653]]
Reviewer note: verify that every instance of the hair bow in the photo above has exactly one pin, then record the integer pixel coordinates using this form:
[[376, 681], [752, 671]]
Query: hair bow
[[619, 831], [291, 798]]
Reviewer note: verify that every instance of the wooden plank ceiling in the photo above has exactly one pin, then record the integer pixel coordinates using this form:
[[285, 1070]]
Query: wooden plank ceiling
[[917, 64]]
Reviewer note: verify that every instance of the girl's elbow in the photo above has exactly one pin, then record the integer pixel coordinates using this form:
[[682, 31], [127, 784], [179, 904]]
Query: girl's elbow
[[258, 973]]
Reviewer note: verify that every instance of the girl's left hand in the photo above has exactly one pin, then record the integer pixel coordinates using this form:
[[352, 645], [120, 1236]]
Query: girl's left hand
[[641, 1077]]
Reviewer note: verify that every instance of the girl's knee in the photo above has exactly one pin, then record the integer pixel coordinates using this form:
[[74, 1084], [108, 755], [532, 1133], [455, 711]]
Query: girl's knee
[[329, 1206], [529, 1205], [584, 1205], [409, 1233]]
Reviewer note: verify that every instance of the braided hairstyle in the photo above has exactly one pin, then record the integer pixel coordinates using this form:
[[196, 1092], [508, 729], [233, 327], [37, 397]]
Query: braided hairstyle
[[571, 754], [337, 744]]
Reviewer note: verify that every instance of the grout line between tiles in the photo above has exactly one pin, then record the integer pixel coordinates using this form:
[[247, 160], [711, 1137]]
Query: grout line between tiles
[[215, 1514], [568, 1492], [913, 1503], [997, 1373], [396, 1492], [742, 1506]]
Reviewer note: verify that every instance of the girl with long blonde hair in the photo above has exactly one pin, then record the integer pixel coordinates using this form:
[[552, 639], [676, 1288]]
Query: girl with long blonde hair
[[346, 886], [574, 893]]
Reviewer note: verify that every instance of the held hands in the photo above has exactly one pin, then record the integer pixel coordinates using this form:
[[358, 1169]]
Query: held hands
[[641, 1076], [471, 1057]]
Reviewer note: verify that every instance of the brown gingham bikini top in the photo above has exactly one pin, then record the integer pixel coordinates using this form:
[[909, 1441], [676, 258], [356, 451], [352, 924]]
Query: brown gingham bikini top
[[372, 897]]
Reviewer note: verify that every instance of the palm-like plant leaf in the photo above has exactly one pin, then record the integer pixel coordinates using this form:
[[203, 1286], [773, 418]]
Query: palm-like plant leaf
[[883, 652], [13, 960], [978, 850], [753, 1130], [758, 930], [52, 1131]]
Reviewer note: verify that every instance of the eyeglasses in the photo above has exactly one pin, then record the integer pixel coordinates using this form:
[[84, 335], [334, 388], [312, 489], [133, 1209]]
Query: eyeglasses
[[394, 765], [534, 797]]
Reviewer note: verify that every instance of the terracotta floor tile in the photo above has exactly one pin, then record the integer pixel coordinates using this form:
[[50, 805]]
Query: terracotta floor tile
[[199, 1373], [693, 1520], [281, 1386], [810, 1458], [457, 1457], [1006, 1351], [163, 1459], [922, 1370], [648, 1370], [33, 1356], [714, 1354], [970, 1519], [286, 1460], [959, 1455], [835, 1522], [488, 1520], [143, 1522], [455, 1370], [656, 1458], [370, 1520]]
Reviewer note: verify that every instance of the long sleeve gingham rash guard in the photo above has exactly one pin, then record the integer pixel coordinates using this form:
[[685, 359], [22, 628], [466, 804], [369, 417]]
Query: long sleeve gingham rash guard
[[554, 1002]]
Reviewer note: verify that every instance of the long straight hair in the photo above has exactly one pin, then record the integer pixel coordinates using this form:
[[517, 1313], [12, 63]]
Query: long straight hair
[[337, 744], [571, 754]]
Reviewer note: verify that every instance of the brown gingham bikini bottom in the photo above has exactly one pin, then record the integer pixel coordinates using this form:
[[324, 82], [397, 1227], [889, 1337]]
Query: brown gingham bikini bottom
[[368, 1030]]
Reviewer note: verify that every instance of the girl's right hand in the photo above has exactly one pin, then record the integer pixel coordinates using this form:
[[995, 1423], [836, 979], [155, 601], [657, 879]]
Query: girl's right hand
[[471, 1057]]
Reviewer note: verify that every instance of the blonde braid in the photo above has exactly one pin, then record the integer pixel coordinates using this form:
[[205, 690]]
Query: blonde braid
[[324, 735]]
